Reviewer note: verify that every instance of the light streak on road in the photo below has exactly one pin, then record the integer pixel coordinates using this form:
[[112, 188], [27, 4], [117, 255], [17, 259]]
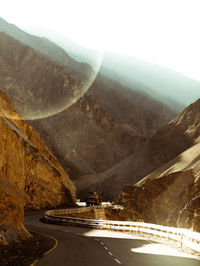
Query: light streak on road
[[160, 249]]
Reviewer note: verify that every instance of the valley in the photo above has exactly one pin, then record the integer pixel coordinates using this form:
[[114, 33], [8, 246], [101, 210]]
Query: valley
[[128, 130]]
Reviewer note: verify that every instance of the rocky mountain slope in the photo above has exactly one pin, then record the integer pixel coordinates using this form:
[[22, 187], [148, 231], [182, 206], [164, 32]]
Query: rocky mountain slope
[[30, 176], [170, 195], [103, 127], [167, 143]]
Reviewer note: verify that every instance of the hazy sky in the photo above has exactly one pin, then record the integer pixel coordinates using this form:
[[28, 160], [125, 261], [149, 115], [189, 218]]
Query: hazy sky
[[165, 32]]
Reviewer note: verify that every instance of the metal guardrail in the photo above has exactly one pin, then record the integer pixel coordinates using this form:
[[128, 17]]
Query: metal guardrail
[[65, 212], [185, 237]]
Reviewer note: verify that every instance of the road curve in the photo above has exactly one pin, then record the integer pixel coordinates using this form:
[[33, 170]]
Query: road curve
[[88, 247]]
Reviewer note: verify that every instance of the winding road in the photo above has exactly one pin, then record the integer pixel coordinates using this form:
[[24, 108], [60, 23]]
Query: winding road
[[91, 247]]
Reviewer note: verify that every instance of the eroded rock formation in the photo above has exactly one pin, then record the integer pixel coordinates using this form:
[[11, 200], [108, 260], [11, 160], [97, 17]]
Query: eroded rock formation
[[30, 176]]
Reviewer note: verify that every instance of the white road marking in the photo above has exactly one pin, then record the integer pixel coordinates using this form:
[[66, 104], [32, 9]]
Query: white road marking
[[106, 248], [110, 253], [118, 261], [102, 243]]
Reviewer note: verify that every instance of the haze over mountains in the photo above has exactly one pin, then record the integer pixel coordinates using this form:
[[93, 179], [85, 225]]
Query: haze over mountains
[[159, 82], [44, 46]]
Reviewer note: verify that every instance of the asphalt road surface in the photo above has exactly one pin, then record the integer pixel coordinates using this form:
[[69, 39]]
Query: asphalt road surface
[[91, 247]]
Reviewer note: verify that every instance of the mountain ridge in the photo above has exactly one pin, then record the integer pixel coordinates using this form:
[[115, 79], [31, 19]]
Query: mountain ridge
[[45, 47]]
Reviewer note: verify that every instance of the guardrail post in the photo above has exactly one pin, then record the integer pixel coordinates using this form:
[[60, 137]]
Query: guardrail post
[[181, 240]]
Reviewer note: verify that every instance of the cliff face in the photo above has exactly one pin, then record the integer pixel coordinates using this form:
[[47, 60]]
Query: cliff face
[[170, 195], [30, 176], [167, 143]]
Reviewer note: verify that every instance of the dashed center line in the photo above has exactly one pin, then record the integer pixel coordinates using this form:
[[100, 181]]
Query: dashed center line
[[118, 261], [110, 253]]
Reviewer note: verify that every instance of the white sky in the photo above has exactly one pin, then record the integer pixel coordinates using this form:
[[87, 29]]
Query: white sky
[[166, 32]]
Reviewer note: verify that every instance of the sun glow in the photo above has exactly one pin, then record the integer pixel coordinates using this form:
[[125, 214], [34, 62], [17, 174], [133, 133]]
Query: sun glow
[[163, 32], [160, 249]]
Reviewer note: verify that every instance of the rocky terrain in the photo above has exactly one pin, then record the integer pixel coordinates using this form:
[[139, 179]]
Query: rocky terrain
[[167, 143], [102, 128], [170, 195], [30, 176]]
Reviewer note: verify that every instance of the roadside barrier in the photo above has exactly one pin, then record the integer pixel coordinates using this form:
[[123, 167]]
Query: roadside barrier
[[185, 237]]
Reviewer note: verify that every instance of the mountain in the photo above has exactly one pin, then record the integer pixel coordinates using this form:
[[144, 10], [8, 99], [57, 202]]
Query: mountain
[[168, 142], [161, 83], [103, 127], [30, 176], [74, 50], [37, 86], [45, 47]]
